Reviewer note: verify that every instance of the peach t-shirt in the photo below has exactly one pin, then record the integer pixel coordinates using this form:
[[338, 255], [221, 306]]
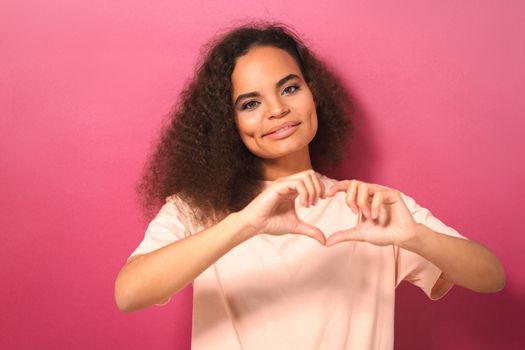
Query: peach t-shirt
[[290, 292]]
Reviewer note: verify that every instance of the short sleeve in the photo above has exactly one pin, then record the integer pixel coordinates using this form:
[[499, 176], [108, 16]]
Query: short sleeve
[[167, 227], [414, 268]]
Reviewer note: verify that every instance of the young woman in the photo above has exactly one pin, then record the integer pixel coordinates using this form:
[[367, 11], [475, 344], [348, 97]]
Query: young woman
[[281, 256]]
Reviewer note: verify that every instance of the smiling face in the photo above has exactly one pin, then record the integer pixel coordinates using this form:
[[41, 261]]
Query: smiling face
[[274, 108]]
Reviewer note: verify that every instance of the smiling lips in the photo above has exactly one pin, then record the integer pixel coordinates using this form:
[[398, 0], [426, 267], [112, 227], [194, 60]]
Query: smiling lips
[[283, 129]]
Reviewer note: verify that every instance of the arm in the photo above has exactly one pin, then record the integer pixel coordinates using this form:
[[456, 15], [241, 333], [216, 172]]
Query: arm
[[149, 279], [152, 278], [463, 262], [385, 220]]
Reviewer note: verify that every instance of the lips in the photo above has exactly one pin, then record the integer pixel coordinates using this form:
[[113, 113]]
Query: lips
[[280, 127]]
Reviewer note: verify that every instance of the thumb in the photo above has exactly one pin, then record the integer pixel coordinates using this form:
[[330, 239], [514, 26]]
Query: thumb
[[331, 191], [310, 231], [344, 235]]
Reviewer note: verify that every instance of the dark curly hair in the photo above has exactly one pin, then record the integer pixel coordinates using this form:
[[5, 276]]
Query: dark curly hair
[[200, 156]]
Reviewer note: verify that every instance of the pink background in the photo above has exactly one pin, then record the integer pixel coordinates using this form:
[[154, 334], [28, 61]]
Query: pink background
[[439, 87]]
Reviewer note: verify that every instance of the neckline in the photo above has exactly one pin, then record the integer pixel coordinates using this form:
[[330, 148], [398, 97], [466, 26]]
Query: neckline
[[269, 182]]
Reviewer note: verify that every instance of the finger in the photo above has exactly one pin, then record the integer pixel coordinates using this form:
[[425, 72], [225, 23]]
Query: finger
[[308, 182], [391, 196], [351, 193], [336, 187], [287, 189], [384, 216], [377, 201], [362, 199], [310, 231], [344, 235], [303, 193], [319, 187]]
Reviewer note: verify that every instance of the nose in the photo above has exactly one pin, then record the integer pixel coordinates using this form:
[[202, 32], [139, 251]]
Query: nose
[[276, 109]]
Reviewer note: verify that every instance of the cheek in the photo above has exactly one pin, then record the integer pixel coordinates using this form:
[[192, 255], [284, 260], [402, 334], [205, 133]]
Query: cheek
[[306, 105], [246, 127], [312, 112], [246, 131]]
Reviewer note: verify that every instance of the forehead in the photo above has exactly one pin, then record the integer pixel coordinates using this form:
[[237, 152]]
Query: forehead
[[262, 66]]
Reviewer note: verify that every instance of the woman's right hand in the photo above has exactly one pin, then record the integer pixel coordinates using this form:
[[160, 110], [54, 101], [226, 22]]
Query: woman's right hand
[[273, 210]]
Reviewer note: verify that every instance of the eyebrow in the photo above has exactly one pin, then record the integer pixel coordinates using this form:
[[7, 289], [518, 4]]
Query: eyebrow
[[256, 94]]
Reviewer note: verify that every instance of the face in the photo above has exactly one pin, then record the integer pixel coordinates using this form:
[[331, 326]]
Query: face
[[274, 108]]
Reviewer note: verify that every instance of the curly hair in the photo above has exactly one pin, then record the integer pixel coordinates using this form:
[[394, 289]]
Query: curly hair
[[200, 156]]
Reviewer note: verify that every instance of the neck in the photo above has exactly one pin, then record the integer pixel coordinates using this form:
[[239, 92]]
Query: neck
[[287, 165]]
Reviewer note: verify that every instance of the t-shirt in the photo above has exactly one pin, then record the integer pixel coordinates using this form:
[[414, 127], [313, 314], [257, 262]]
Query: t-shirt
[[290, 292]]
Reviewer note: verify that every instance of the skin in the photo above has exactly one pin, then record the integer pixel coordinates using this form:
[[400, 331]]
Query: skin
[[259, 71], [148, 279]]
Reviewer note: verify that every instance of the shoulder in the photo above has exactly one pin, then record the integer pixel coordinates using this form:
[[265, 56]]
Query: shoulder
[[178, 207]]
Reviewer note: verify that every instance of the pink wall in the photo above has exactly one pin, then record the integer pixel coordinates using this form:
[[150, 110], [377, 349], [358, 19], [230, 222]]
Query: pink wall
[[83, 88]]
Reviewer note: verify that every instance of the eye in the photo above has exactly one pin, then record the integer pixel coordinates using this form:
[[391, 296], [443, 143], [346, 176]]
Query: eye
[[248, 105], [293, 87]]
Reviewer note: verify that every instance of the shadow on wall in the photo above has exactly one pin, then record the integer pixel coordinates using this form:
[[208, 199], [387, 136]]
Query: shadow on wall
[[467, 319]]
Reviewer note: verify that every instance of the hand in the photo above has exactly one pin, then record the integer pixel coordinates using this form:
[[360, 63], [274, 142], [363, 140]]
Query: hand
[[384, 218], [273, 210]]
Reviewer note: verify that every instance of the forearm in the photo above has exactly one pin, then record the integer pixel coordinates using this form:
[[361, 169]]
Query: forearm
[[463, 262], [155, 276]]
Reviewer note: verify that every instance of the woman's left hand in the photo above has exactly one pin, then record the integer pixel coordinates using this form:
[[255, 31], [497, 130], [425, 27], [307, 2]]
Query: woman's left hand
[[384, 218]]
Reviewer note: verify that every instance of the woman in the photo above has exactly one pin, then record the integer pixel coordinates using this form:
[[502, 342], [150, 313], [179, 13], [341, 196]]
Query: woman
[[279, 255]]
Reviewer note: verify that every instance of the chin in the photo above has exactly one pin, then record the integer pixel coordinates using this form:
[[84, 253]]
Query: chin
[[280, 152]]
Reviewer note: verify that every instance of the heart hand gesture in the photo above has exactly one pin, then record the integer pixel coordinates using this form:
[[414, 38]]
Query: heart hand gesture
[[273, 210], [384, 218]]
